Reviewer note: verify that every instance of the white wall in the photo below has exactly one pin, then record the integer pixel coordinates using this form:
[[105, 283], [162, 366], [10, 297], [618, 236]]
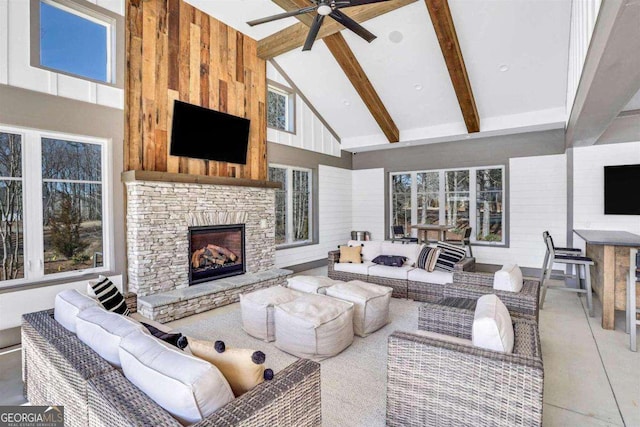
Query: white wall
[[310, 134], [15, 68], [588, 187], [537, 202], [335, 210], [368, 206]]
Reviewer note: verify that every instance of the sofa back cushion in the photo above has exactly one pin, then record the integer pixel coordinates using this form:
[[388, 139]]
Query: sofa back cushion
[[370, 248], [509, 278], [492, 327], [187, 387], [68, 304], [411, 251], [103, 330]]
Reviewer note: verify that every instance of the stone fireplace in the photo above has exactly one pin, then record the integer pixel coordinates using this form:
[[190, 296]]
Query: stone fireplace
[[215, 252]]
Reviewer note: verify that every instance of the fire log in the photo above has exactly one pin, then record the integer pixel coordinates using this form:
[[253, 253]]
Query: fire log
[[223, 251]]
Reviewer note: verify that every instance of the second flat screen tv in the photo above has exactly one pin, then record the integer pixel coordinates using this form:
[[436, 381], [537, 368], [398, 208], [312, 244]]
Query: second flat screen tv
[[621, 184], [201, 133]]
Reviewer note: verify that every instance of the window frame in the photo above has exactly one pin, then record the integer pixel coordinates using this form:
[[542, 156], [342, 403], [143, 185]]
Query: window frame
[[33, 218], [289, 207], [290, 106], [473, 194], [89, 12]]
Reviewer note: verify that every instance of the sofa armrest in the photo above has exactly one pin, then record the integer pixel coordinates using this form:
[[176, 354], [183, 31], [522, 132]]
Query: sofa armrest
[[471, 277], [453, 321], [465, 264], [334, 256]]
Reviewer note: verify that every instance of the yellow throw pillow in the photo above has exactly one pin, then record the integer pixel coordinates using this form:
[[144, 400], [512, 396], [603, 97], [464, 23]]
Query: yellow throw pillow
[[351, 254], [243, 368]]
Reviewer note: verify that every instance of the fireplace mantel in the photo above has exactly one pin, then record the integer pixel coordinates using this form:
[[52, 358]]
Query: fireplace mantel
[[139, 175]]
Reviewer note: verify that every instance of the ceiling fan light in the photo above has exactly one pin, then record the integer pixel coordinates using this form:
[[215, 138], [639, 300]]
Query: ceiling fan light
[[324, 9]]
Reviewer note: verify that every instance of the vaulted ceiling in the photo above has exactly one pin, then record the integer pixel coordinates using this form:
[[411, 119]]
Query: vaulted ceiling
[[515, 52]]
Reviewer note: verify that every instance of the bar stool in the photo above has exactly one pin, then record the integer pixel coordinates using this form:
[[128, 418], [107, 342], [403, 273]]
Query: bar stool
[[632, 310], [568, 259], [559, 251]]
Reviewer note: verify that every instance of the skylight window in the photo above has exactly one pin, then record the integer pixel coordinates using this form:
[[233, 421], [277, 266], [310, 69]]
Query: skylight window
[[74, 42]]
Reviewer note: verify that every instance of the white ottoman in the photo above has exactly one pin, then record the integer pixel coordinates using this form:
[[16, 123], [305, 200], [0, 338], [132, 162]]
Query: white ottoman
[[314, 326], [371, 304], [257, 310], [311, 284]]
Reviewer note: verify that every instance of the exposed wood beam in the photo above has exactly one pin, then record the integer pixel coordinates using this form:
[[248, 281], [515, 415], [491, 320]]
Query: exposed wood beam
[[446, 32], [346, 59], [293, 37]]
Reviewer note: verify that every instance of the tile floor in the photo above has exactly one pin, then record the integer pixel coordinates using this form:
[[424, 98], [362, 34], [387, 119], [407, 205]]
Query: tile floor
[[591, 377]]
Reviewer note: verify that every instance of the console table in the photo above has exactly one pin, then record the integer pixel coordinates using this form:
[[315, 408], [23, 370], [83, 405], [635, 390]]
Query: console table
[[610, 250]]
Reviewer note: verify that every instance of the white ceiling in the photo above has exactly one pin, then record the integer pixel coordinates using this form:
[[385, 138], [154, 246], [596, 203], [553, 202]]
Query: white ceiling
[[530, 37]]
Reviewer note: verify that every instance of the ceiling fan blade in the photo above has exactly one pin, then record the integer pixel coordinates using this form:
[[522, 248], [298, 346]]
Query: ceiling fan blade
[[350, 3], [352, 25], [313, 32], [282, 15]]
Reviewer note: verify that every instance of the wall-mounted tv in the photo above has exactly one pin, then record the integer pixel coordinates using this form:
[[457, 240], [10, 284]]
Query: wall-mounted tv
[[201, 133], [621, 185]]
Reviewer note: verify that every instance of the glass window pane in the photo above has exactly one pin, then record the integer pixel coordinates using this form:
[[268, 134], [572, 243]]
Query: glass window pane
[[10, 155], [280, 175], [276, 110], [300, 205], [457, 199], [11, 230], [72, 43], [72, 226], [428, 184], [489, 205], [401, 201], [71, 160]]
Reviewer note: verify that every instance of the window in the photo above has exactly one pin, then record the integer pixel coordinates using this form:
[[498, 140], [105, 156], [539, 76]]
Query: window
[[293, 204], [76, 41], [61, 180], [280, 108], [458, 197]]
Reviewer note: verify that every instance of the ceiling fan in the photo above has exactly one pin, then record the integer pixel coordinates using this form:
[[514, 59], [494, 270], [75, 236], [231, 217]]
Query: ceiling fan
[[324, 8]]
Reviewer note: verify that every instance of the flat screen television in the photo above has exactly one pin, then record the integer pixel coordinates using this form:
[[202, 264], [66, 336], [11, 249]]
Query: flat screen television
[[201, 133], [621, 188]]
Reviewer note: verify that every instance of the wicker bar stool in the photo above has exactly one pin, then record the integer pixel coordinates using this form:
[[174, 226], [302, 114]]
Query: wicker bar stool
[[581, 262]]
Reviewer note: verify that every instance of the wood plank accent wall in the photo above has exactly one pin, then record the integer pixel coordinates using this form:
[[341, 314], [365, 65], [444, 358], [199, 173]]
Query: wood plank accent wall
[[175, 51]]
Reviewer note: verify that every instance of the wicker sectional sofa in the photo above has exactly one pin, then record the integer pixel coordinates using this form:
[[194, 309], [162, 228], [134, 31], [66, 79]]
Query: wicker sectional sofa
[[59, 369], [406, 281]]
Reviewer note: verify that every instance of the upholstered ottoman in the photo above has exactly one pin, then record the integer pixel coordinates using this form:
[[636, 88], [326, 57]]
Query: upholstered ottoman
[[314, 326], [371, 304], [311, 284], [257, 310]]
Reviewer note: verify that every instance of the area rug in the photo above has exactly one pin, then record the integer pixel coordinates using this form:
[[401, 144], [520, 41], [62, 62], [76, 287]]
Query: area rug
[[353, 383]]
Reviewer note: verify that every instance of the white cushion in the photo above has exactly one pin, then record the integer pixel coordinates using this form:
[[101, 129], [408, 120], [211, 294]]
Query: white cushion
[[509, 278], [68, 304], [103, 330], [371, 304], [410, 250], [436, 277], [390, 272], [187, 387], [370, 248], [257, 310], [311, 284], [348, 267], [492, 327]]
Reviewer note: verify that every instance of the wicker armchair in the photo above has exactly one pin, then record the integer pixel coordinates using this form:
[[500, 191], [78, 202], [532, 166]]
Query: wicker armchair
[[436, 382], [474, 285], [59, 369]]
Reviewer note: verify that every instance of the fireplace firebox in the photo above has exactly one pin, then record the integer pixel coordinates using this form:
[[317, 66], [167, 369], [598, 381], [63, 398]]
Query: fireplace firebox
[[216, 252]]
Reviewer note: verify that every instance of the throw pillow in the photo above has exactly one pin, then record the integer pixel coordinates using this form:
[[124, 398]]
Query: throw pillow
[[390, 260], [243, 368], [449, 256], [509, 278], [109, 296], [428, 258], [351, 254], [492, 328], [175, 339]]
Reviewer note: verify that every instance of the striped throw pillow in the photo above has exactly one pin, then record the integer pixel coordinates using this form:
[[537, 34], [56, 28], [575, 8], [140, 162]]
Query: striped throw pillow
[[449, 256], [428, 258], [109, 296]]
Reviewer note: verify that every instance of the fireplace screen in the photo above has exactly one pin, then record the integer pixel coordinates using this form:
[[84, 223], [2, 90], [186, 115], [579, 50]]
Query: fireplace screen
[[215, 252]]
